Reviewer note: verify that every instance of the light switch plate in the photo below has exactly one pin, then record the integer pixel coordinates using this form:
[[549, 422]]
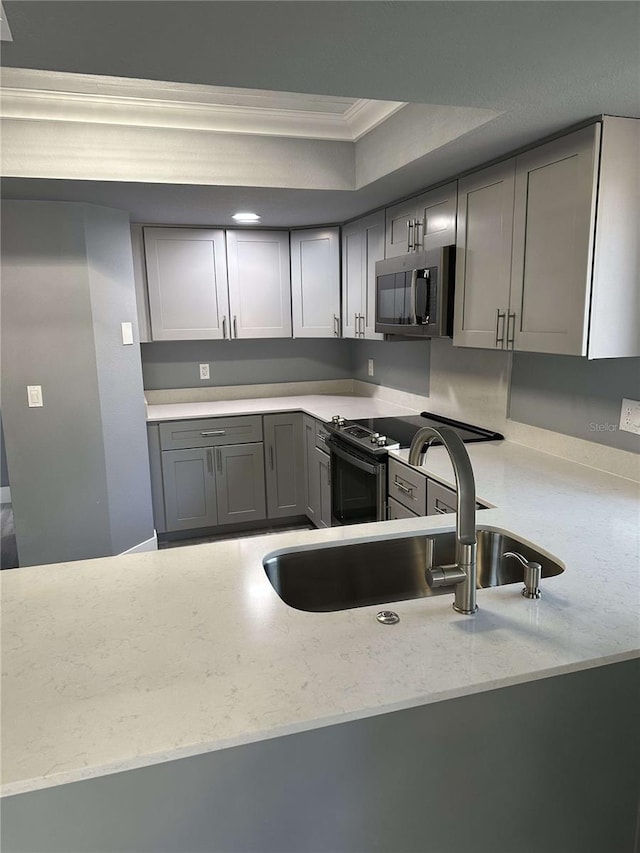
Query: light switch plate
[[34, 396], [127, 333], [370, 366], [630, 416]]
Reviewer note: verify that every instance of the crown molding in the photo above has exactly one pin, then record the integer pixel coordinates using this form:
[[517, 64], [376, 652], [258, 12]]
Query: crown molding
[[30, 94]]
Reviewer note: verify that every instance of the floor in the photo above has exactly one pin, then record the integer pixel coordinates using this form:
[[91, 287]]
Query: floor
[[8, 549], [262, 531]]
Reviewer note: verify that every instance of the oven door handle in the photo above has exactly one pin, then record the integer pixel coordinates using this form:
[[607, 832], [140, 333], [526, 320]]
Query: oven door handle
[[352, 460]]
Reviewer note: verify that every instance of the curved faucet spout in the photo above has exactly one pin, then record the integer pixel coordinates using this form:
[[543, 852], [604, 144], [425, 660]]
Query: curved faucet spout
[[465, 589]]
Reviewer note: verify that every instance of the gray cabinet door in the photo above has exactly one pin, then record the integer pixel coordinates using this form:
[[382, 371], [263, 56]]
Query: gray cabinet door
[[352, 238], [315, 283], [483, 257], [189, 488], [398, 237], [436, 216], [372, 251], [285, 478], [239, 474], [311, 482], [259, 284], [553, 233], [323, 462], [187, 281]]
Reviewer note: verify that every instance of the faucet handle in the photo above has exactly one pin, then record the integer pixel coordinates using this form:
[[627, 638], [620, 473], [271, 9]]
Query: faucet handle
[[532, 575]]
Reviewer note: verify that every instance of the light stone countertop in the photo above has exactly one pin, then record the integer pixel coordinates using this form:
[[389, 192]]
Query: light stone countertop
[[128, 661], [321, 406]]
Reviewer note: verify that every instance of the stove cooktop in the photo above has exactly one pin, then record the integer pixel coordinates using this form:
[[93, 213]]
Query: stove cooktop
[[402, 430]]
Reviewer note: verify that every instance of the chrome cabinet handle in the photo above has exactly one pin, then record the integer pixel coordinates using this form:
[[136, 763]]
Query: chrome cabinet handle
[[336, 326], [219, 457], [322, 437], [356, 333], [403, 488], [271, 456], [362, 325], [416, 234], [409, 234], [500, 315], [442, 508], [511, 335], [209, 462], [235, 326], [214, 432], [224, 328]]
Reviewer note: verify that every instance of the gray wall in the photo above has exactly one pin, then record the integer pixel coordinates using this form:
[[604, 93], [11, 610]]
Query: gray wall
[[574, 396], [396, 364], [545, 767], [59, 302], [174, 364]]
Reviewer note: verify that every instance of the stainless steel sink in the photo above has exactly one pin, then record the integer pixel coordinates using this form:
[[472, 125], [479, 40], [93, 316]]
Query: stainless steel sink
[[377, 572]]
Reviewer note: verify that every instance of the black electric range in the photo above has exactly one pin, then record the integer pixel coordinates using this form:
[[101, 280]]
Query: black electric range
[[376, 436]]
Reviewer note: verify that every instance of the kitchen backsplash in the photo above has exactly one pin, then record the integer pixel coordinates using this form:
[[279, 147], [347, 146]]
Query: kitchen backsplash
[[574, 396], [174, 364]]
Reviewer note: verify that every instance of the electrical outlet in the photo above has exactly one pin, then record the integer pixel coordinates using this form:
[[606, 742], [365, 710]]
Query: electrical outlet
[[630, 416], [204, 371], [34, 396], [370, 367]]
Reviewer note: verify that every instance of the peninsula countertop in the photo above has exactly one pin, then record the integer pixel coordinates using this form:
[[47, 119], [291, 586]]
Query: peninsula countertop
[[122, 662]]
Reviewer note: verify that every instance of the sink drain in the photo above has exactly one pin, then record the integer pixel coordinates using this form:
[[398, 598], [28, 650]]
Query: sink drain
[[387, 617]]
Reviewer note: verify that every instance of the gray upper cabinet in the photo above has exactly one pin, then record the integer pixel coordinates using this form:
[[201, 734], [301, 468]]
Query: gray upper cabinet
[[553, 231], [284, 463], [259, 284], [362, 246], [187, 283], [424, 222], [315, 283], [240, 483], [483, 256], [563, 218]]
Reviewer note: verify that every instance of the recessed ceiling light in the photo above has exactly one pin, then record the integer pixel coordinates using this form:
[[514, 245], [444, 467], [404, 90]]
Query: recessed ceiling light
[[246, 217]]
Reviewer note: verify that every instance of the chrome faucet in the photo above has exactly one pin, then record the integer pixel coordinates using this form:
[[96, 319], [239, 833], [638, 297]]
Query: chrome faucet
[[463, 573]]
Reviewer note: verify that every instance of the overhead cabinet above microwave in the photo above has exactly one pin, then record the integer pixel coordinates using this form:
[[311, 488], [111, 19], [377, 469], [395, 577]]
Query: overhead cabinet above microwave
[[427, 221], [547, 255], [211, 284]]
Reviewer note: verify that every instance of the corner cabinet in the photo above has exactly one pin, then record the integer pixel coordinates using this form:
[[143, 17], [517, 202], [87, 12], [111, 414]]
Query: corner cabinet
[[563, 220], [284, 465], [317, 473], [315, 283], [427, 221], [362, 246], [187, 283], [259, 284]]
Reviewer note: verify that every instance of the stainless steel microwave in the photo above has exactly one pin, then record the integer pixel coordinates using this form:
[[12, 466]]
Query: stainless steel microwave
[[414, 294]]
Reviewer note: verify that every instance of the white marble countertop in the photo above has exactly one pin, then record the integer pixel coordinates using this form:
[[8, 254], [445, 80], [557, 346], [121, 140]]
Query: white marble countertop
[[321, 406], [123, 662]]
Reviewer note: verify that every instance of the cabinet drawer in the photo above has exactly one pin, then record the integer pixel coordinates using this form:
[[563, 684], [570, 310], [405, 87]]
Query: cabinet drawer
[[321, 436], [440, 499], [397, 510], [179, 435], [408, 486]]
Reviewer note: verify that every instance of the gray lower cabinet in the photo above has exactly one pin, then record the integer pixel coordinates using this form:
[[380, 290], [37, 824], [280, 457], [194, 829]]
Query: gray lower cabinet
[[396, 510], [239, 476], [317, 471], [284, 464], [189, 488], [323, 464]]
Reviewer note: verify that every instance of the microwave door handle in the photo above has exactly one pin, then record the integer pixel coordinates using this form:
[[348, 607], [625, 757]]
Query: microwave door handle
[[414, 296], [427, 306]]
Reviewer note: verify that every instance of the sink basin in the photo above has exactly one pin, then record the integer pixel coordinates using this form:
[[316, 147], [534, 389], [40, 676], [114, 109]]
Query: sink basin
[[377, 572]]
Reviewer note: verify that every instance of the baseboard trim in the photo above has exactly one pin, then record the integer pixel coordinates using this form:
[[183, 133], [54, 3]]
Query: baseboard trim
[[5, 495], [148, 545]]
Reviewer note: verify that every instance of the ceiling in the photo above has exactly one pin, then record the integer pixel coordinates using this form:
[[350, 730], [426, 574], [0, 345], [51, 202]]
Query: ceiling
[[540, 67]]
